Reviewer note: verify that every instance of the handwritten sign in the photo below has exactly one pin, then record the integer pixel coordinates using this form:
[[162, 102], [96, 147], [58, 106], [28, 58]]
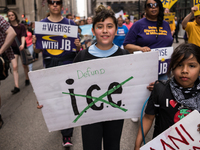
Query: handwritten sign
[[168, 3], [169, 17], [94, 91], [164, 58], [55, 36], [183, 135], [197, 3]]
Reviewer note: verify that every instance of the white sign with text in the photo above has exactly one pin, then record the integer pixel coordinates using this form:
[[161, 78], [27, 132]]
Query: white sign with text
[[183, 135], [96, 90]]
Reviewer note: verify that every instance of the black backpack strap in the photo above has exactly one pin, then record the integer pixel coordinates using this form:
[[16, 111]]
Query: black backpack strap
[[159, 89]]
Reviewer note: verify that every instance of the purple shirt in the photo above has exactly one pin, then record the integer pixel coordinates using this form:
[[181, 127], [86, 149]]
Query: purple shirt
[[143, 33]]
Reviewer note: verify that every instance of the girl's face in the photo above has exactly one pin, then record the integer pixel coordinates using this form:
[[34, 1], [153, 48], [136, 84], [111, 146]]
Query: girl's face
[[11, 16], [152, 9], [55, 7], [105, 33], [187, 72]]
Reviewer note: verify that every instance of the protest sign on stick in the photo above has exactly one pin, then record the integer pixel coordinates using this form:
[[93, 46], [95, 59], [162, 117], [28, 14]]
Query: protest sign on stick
[[93, 91], [183, 135]]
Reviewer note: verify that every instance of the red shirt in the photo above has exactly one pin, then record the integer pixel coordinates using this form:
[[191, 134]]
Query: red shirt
[[28, 39]]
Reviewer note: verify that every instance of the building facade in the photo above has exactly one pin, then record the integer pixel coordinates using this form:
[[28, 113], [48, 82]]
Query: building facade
[[35, 10], [130, 7]]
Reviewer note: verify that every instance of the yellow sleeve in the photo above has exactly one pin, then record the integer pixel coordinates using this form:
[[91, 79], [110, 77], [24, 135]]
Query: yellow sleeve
[[173, 26]]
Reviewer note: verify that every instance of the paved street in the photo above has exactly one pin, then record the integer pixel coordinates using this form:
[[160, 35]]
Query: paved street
[[24, 127]]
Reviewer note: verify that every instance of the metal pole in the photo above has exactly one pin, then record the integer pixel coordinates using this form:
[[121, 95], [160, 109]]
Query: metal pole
[[24, 8], [35, 8], [139, 9]]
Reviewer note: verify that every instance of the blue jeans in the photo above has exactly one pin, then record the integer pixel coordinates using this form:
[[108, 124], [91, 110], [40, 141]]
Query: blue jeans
[[30, 48]]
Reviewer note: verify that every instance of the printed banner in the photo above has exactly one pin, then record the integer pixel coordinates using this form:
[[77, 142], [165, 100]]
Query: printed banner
[[168, 3], [197, 3], [96, 90], [169, 17], [183, 135], [164, 58], [55, 36]]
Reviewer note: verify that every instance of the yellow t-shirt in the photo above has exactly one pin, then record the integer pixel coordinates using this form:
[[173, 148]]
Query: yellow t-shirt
[[193, 30]]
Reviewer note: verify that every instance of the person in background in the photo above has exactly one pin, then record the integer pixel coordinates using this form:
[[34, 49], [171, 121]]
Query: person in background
[[171, 25], [81, 22], [82, 39], [176, 30], [135, 19], [21, 34], [122, 30], [29, 44], [69, 16], [128, 23], [143, 15], [32, 30], [89, 20], [7, 36], [192, 28], [56, 57]]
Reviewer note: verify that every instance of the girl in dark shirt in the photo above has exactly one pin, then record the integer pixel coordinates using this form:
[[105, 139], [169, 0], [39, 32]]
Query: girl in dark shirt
[[21, 34]]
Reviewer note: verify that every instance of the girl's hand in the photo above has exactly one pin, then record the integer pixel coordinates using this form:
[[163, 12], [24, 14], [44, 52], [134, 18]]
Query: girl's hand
[[198, 128], [150, 86], [21, 47], [39, 106]]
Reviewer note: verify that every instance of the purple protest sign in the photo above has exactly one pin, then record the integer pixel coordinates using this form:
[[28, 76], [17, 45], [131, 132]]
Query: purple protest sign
[[55, 36]]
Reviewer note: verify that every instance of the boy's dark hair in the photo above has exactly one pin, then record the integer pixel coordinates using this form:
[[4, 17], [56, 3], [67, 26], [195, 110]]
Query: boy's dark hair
[[160, 15], [68, 15], [185, 51], [103, 13]]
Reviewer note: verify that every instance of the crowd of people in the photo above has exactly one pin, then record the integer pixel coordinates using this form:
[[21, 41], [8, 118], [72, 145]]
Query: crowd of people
[[122, 38]]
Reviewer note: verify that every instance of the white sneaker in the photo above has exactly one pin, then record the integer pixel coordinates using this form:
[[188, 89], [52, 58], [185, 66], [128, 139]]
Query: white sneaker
[[135, 119]]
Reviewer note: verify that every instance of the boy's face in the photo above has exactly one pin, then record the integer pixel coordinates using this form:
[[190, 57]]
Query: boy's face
[[105, 33], [187, 72]]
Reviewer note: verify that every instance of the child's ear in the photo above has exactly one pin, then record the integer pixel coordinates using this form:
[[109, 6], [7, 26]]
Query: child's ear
[[116, 32], [93, 32]]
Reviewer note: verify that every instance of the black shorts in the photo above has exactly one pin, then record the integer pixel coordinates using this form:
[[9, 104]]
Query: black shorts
[[16, 50]]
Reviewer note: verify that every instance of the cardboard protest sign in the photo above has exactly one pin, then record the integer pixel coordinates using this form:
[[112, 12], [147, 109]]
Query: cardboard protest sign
[[169, 17], [55, 36], [168, 3], [93, 91], [164, 58], [197, 3], [183, 135]]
